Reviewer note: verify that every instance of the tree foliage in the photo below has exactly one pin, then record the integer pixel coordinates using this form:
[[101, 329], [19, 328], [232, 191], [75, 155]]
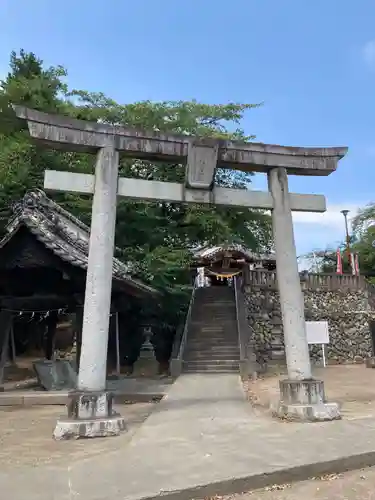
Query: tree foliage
[[156, 237], [362, 242], [363, 227]]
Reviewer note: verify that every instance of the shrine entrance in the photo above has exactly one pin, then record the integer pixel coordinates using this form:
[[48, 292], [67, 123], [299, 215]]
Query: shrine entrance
[[202, 156], [219, 265]]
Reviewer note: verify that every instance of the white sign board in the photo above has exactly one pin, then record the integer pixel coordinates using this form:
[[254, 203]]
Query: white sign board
[[317, 332]]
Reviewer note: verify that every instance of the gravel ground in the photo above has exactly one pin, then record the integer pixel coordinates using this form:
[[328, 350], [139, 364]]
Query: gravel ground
[[26, 436], [344, 384], [355, 485]]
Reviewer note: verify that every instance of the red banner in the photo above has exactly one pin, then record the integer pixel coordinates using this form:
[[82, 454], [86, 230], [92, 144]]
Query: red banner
[[356, 264], [339, 262]]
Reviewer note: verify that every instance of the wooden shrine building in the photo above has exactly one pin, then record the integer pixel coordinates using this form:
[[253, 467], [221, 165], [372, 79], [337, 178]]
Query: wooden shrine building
[[43, 262], [223, 262]]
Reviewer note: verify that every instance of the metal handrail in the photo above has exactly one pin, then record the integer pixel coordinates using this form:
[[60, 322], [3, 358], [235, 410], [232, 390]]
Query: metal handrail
[[187, 321], [237, 285]]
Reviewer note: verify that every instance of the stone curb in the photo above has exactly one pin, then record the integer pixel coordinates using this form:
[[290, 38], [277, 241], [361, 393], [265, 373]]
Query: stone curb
[[238, 485], [41, 398]]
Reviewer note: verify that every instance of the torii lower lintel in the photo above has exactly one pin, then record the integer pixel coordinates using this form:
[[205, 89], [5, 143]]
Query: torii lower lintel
[[174, 192]]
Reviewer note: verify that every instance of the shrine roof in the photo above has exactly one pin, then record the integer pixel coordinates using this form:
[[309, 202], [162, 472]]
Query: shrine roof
[[64, 234], [207, 253]]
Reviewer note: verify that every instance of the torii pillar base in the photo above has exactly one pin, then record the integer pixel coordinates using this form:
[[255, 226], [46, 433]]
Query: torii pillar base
[[90, 414], [304, 401]]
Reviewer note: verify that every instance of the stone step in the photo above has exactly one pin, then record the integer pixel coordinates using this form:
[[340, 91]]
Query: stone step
[[214, 311], [216, 289], [215, 348], [276, 362], [210, 348], [229, 341], [277, 355], [215, 307], [204, 353], [219, 335], [275, 320], [224, 299], [209, 361], [212, 301], [211, 304], [222, 325], [214, 298], [213, 330], [214, 362], [214, 342], [209, 356], [203, 332], [277, 330], [208, 313], [212, 321], [214, 324], [210, 367], [219, 313], [277, 342], [210, 370]]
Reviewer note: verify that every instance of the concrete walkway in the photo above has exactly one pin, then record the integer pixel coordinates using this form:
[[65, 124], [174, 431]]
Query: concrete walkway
[[202, 439]]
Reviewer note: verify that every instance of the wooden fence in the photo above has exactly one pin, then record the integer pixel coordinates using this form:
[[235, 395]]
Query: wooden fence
[[260, 278]]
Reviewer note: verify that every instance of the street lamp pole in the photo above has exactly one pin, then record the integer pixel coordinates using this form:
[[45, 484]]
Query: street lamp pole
[[345, 214]]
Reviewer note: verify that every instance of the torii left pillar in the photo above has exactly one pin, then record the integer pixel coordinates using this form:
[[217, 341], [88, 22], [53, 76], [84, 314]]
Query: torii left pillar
[[90, 412]]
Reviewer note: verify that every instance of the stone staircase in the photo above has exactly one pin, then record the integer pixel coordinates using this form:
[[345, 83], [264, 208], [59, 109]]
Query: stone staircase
[[212, 340]]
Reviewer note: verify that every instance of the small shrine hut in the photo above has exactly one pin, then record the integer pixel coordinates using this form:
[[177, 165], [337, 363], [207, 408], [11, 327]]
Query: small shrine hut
[[43, 262]]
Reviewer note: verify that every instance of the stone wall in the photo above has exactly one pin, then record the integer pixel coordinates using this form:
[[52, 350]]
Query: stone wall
[[347, 311]]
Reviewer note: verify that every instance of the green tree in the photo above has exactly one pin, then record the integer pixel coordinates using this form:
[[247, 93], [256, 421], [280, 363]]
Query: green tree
[[156, 237], [362, 242], [363, 227], [21, 162]]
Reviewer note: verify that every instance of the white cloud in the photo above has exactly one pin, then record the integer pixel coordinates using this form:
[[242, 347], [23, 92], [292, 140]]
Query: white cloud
[[368, 53], [332, 218]]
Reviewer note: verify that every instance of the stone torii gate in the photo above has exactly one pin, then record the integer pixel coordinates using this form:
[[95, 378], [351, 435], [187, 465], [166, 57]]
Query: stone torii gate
[[91, 410]]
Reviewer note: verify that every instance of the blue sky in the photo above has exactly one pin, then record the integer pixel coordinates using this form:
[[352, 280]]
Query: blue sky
[[311, 63]]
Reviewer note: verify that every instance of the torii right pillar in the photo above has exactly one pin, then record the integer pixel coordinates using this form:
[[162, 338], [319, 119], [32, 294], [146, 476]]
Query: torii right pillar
[[301, 396]]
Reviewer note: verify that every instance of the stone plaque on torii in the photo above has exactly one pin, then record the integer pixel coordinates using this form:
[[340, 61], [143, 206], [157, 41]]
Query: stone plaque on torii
[[91, 410]]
